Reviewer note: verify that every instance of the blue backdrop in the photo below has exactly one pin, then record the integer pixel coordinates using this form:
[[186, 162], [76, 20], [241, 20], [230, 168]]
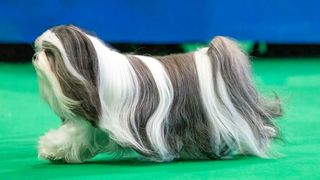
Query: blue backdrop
[[165, 21]]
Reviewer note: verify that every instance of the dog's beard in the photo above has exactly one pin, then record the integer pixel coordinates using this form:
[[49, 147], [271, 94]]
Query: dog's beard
[[197, 105]]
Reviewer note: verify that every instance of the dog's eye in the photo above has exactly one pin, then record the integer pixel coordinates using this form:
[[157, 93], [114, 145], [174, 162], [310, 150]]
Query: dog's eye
[[63, 119], [34, 57]]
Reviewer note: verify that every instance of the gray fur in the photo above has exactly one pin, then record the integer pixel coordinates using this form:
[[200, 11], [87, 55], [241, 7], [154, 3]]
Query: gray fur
[[149, 100], [255, 109], [187, 131], [83, 58]]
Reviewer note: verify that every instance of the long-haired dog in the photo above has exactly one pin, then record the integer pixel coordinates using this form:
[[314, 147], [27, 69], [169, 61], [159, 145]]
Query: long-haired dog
[[199, 105]]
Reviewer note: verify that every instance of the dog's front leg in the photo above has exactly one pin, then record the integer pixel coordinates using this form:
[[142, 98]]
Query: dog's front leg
[[74, 142]]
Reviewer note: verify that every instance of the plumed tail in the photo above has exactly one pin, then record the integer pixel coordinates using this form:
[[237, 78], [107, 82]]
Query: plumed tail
[[235, 71]]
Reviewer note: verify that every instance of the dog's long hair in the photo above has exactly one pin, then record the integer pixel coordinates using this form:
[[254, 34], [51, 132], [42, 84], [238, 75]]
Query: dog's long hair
[[196, 105]]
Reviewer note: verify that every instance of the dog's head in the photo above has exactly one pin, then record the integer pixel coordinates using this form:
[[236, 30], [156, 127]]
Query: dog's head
[[67, 67]]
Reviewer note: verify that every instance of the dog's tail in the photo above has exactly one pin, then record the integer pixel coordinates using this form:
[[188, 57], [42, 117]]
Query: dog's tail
[[232, 68]]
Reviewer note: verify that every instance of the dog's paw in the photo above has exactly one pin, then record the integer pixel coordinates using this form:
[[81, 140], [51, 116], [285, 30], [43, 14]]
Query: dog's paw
[[51, 146]]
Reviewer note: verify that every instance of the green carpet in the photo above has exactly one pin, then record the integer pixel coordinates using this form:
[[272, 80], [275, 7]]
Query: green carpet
[[24, 117]]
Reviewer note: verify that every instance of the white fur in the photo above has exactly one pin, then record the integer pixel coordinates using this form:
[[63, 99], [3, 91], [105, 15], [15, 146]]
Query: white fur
[[73, 142], [156, 123], [49, 36], [221, 126], [119, 95], [76, 135], [50, 88], [118, 88], [226, 122]]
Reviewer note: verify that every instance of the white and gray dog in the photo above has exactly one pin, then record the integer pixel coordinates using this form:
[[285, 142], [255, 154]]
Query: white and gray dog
[[199, 105]]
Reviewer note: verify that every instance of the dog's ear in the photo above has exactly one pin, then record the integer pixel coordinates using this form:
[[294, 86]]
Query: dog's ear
[[74, 63], [80, 52]]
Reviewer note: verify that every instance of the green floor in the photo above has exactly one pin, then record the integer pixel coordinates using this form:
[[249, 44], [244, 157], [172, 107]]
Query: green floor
[[24, 117]]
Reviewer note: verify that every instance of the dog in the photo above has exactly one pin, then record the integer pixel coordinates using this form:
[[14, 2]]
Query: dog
[[198, 105]]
